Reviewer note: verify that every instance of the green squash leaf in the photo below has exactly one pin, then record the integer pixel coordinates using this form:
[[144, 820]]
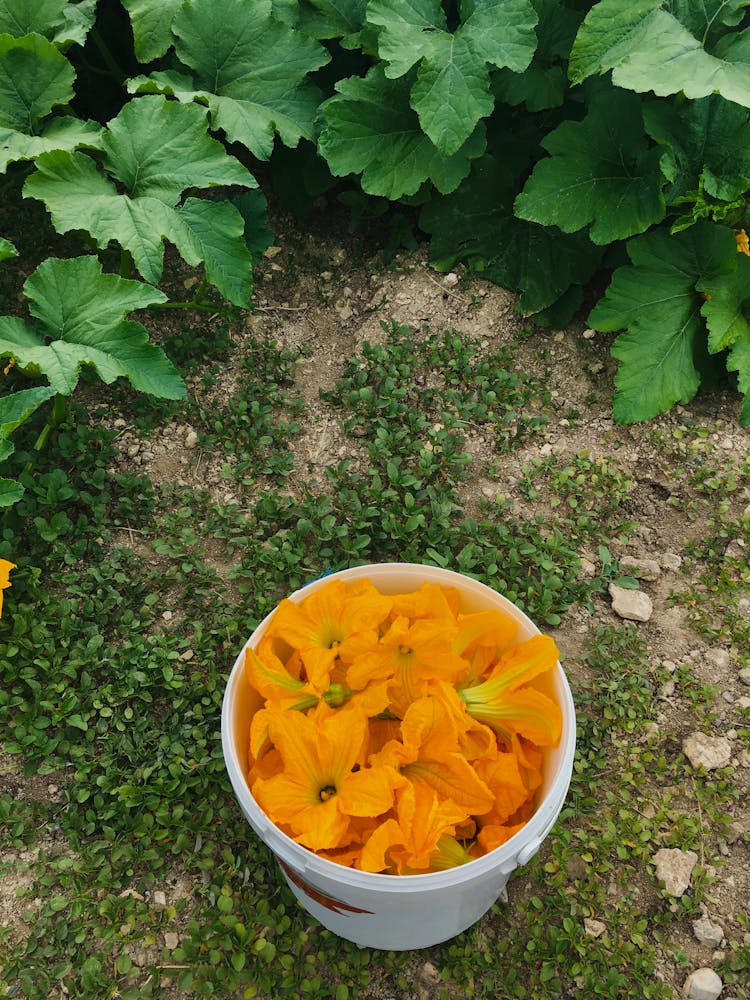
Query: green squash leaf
[[151, 21], [727, 306], [476, 225], [10, 492], [602, 171], [57, 20], [253, 208], [543, 84], [57, 133], [80, 321], [656, 301], [7, 250], [707, 143], [370, 129], [248, 68], [79, 197], [738, 360], [215, 233], [18, 406], [451, 92], [649, 48], [341, 19], [156, 149], [35, 77]]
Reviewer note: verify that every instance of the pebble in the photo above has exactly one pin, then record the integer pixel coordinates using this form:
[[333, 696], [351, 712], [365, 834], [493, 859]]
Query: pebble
[[171, 940], [709, 752], [642, 569], [160, 898], [707, 932], [594, 928], [671, 561], [674, 868], [718, 657], [429, 974], [745, 675], [743, 702], [703, 984], [589, 334], [191, 440], [451, 279], [632, 605]]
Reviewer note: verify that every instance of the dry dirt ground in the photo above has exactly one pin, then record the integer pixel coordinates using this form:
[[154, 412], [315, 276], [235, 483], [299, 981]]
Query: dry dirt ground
[[316, 295]]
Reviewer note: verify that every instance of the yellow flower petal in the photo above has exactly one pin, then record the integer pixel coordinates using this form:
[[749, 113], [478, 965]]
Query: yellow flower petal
[[5, 568]]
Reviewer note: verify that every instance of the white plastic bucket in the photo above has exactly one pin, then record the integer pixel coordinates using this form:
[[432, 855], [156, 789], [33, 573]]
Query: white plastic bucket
[[400, 912]]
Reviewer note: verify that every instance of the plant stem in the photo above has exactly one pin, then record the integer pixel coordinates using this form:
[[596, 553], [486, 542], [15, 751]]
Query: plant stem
[[194, 304], [59, 412], [109, 60]]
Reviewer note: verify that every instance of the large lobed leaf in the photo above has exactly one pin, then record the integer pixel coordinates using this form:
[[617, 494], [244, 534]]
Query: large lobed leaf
[[656, 300], [7, 250], [57, 20], [451, 92], [543, 84], [650, 48], [151, 21], [249, 68], [370, 129], [602, 171], [36, 78], [707, 143], [80, 321], [156, 149], [727, 314]]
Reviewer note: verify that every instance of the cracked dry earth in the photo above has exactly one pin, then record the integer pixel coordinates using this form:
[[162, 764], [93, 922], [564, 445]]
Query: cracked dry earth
[[317, 296]]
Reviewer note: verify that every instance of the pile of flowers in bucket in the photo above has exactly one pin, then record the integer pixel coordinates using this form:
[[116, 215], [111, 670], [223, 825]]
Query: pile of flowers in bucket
[[398, 734]]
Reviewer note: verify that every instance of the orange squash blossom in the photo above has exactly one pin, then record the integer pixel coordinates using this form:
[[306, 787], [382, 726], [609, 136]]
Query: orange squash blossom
[[397, 734]]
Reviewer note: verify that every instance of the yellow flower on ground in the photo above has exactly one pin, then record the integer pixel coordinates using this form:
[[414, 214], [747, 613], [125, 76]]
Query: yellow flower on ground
[[743, 243], [5, 568]]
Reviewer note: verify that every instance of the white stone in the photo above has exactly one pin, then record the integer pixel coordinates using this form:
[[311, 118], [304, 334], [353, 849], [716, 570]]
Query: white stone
[[643, 569], [594, 928], [171, 940], [745, 675], [743, 702], [674, 868], [703, 984], [718, 657], [633, 605], [191, 440], [160, 898], [707, 932], [671, 561], [709, 752]]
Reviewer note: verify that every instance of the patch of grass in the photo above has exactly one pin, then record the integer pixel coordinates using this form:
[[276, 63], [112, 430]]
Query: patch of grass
[[131, 602]]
